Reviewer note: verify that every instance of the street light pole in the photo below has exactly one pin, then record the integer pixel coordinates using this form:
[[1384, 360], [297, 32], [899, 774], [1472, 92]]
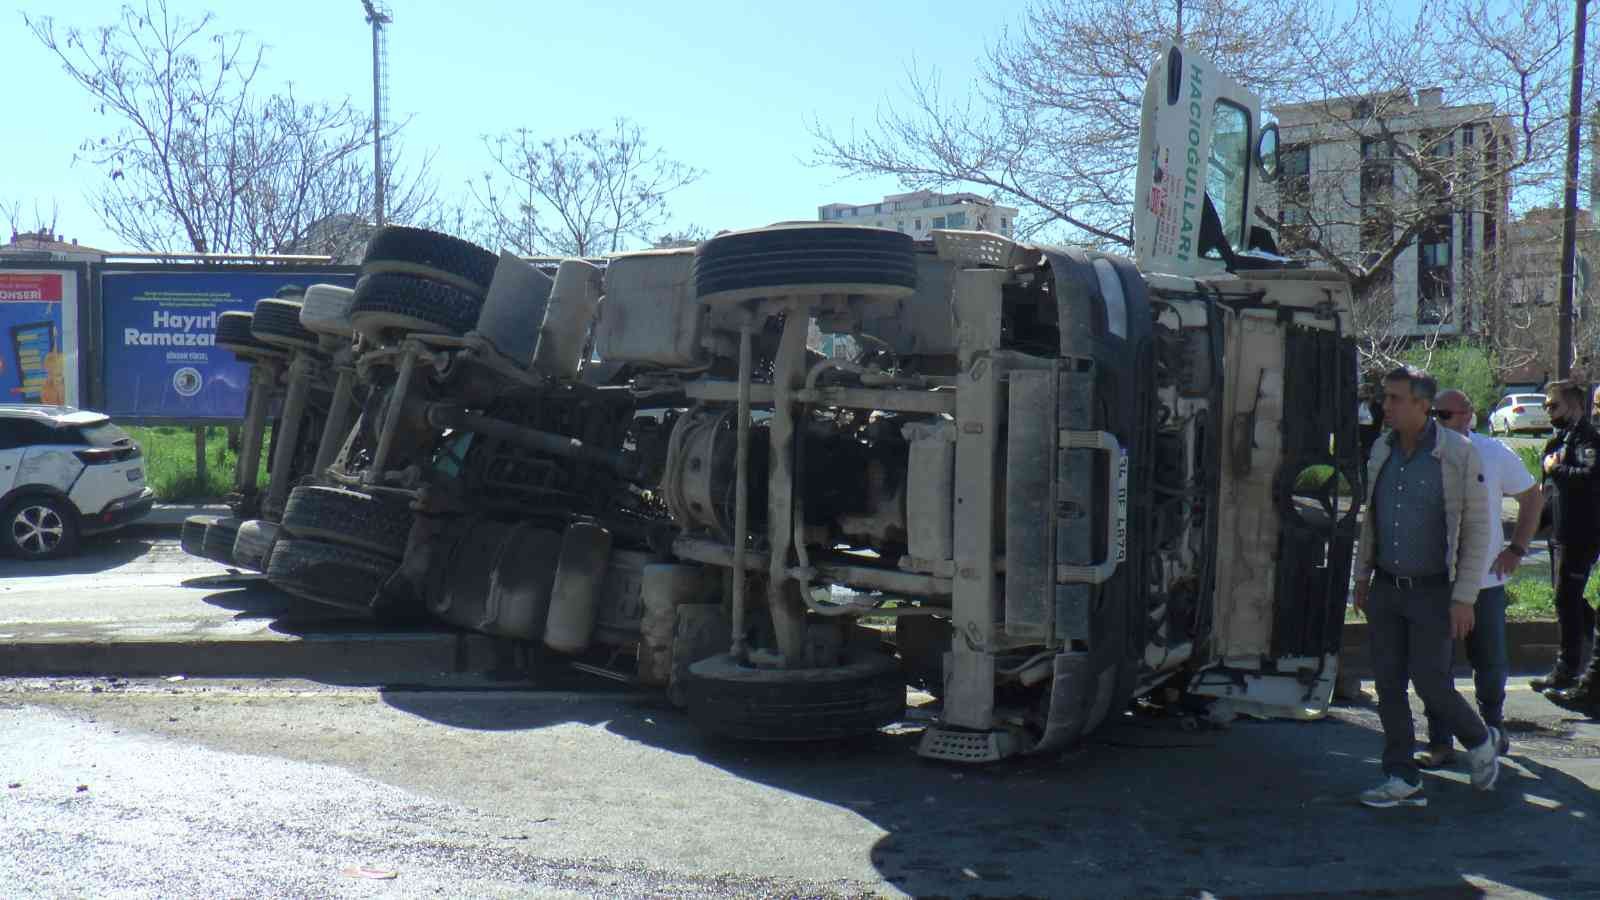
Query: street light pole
[[377, 18], [1569, 210]]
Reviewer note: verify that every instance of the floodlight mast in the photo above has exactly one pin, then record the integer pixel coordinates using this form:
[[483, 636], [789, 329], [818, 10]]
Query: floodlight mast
[[377, 17]]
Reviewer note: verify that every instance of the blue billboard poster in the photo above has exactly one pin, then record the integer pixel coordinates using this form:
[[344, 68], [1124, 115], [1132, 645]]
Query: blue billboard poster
[[159, 362], [38, 336]]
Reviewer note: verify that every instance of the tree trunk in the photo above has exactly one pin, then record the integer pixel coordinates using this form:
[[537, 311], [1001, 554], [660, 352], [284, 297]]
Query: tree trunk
[[200, 457]]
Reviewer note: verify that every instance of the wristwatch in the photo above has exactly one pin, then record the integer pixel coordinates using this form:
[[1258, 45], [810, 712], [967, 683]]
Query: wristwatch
[[1518, 549]]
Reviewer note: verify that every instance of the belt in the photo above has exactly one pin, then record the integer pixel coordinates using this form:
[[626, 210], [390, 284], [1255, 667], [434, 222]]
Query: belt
[[1409, 582]]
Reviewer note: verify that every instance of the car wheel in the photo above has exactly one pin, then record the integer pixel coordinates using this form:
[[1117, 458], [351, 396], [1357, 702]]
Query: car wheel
[[253, 544], [349, 518], [217, 545], [41, 528], [729, 699], [788, 259], [327, 573], [392, 305], [277, 322]]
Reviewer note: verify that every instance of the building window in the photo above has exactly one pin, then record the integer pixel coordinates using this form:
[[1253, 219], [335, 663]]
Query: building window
[[877, 209], [1435, 286], [900, 225], [1005, 225], [1466, 135], [1466, 235], [1377, 190], [1294, 197], [916, 224], [938, 222], [956, 220]]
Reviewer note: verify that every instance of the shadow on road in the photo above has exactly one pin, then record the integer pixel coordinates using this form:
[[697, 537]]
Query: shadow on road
[[97, 553], [1142, 809]]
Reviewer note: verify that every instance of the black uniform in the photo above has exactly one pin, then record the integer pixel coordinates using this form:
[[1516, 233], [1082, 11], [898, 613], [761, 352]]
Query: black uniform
[[1575, 534]]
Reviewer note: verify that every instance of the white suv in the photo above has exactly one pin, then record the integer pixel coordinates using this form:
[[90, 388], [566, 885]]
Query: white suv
[[65, 472]]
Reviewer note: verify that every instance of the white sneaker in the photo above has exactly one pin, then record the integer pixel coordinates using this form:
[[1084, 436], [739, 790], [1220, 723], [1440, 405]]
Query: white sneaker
[[1484, 761], [1394, 792]]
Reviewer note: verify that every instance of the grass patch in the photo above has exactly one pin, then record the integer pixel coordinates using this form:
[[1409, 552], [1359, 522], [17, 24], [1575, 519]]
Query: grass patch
[[1531, 597], [1533, 460], [169, 463]]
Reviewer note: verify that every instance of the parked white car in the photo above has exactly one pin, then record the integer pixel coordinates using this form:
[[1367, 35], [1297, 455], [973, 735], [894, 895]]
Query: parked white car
[[1520, 412], [65, 473]]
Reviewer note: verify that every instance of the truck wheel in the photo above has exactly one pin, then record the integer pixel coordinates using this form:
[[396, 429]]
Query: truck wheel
[[217, 545], [325, 310], [398, 249], [234, 334], [40, 527], [253, 543], [731, 700], [805, 258], [277, 322], [193, 536], [349, 518], [326, 573], [387, 305]]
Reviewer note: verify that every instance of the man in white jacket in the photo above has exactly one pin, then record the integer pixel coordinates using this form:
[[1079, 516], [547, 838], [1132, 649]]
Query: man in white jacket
[[1420, 561]]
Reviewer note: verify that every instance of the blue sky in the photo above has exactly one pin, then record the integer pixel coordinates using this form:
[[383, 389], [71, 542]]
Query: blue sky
[[725, 86]]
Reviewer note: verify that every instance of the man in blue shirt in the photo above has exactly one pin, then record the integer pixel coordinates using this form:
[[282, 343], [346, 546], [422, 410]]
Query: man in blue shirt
[[1419, 564]]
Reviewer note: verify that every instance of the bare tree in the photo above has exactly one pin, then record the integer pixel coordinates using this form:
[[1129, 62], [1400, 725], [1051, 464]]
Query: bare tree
[[197, 156], [1419, 167], [586, 194], [1053, 124], [11, 211]]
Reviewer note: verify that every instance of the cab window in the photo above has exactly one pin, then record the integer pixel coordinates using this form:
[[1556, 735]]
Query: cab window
[[1229, 169]]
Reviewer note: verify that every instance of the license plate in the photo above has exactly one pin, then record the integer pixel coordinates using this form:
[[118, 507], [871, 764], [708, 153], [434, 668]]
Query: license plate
[[135, 474]]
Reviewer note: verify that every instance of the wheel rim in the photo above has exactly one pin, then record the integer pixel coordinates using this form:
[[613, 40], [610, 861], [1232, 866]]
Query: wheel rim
[[37, 530]]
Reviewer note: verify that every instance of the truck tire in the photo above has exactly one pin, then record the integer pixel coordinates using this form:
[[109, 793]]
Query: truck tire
[[277, 322], [387, 305], [728, 699], [217, 545], [398, 249], [325, 310], [193, 536], [253, 543], [327, 573], [348, 518], [805, 258], [234, 334]]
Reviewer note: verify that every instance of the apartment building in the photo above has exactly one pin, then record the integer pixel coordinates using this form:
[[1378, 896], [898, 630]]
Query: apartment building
[[920, 212], [1356, 172]]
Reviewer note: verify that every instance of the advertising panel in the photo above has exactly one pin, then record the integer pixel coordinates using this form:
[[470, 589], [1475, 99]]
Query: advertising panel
[[39, 336], [159, 326]]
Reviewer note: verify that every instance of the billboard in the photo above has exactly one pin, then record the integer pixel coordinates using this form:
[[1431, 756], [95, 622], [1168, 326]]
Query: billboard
[[158, 326], [39, 336]]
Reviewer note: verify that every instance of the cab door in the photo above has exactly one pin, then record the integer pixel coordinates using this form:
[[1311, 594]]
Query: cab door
[[1197, 154]]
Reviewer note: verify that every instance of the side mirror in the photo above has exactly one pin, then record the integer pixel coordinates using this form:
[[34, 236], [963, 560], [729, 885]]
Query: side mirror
[[1267, 152]]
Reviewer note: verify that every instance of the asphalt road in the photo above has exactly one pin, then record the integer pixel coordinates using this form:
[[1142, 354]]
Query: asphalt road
[[266, 787]]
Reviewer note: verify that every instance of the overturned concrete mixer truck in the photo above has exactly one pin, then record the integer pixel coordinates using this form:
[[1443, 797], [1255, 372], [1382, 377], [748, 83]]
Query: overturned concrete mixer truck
[[1067, 478]]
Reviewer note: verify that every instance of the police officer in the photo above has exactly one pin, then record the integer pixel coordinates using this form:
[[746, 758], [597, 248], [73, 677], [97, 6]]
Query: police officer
[[1572, 482]]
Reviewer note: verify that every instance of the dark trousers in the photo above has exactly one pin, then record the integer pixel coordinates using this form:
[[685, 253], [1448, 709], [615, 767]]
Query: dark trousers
[[1409, 632], [1569, 571], [1486, 650]]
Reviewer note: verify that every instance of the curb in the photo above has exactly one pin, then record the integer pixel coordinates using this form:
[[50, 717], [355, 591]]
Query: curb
[[1530, 648]]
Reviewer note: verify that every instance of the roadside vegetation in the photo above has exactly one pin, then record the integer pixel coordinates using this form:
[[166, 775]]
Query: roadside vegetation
[[170, 469]]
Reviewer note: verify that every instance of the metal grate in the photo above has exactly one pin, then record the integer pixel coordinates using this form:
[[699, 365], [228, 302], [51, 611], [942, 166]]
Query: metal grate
[[965, 746], [976, 249]]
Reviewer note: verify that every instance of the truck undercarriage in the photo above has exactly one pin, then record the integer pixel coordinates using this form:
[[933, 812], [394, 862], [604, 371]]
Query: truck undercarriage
[[1067, 482]]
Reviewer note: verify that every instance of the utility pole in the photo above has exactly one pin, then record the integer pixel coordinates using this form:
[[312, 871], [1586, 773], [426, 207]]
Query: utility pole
[[1179, 36], [1569, 211], [377, 17]]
